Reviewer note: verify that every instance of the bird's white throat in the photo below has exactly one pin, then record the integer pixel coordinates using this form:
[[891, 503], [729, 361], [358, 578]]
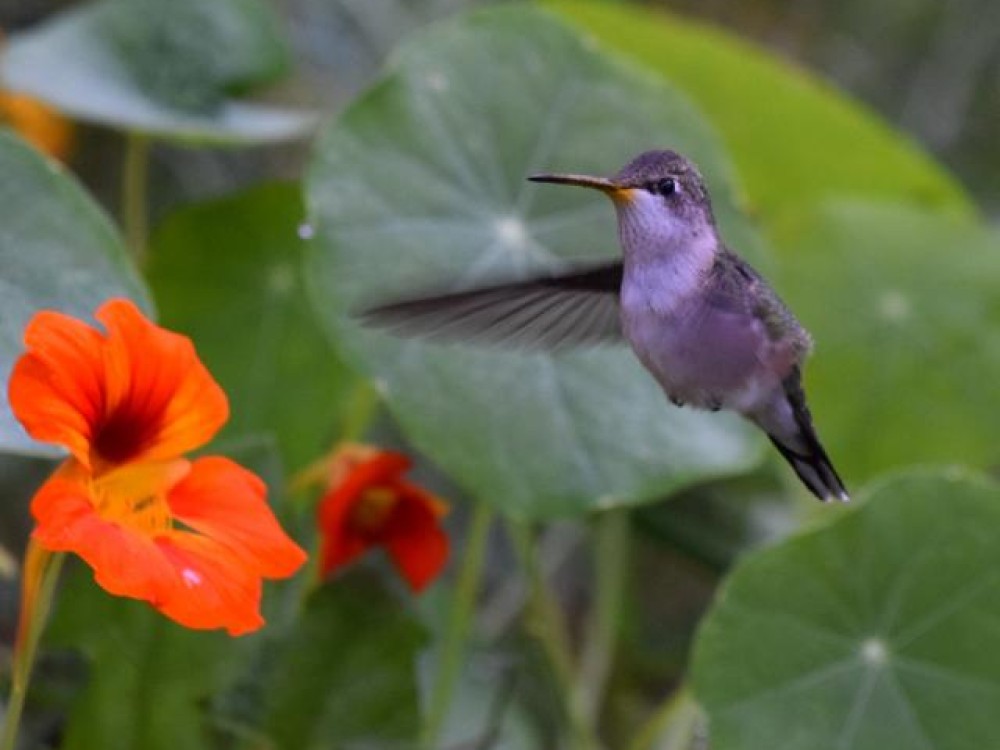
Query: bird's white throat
[[666, 257]]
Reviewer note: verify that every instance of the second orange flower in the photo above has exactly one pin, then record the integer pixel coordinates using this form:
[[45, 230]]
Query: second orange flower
[[369, 503]]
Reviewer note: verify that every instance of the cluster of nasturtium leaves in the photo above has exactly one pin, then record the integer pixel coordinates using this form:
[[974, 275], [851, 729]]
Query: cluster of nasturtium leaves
[[879, 629]]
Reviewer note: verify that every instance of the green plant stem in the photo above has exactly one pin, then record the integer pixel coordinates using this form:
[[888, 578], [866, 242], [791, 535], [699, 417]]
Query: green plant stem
[[358, 416], [550, 630], [600, 639], [360, 411], [672, 726], [460, 617], [40, 574], [134, 198]]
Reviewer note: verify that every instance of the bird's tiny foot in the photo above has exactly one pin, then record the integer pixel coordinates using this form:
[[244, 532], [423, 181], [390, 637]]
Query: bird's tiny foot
[[674, 400], [714, 403]]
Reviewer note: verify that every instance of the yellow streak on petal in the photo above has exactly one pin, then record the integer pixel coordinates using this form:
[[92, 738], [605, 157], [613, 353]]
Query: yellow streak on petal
[[135, 495]]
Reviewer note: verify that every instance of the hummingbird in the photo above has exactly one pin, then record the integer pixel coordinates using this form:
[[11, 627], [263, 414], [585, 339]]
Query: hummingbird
[[701, 320]]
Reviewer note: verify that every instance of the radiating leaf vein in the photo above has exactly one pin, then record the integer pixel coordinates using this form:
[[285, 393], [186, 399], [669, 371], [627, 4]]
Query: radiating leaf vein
[[949, 606]]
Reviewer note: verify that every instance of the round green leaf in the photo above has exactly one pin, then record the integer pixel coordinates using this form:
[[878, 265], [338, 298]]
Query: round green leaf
[[190, 54], [74, 64], [794, 139], [877, 632], [422, 184], [228, 273], [902, 304], [58, 250]]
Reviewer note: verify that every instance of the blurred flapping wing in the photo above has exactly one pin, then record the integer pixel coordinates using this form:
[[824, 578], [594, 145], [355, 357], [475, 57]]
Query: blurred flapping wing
[[556, 311]]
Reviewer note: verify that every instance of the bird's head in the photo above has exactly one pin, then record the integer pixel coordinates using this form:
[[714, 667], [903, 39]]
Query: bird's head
[[660, 197]]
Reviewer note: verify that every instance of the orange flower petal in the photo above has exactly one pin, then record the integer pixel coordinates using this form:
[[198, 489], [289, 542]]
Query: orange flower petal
[[384, 468], [137, 394], [161, 401], [341, 543], [411, 533], [346, 457], [218, 590], [225, 502], [199, 581], [415, 540], [38, 123], [124, 563], [56, 389]]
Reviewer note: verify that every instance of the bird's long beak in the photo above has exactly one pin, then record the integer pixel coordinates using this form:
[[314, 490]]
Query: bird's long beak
[[615, 191]]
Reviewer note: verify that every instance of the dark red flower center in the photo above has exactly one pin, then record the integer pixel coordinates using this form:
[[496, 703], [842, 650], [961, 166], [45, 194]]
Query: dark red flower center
[[123, 434], [372, 509]]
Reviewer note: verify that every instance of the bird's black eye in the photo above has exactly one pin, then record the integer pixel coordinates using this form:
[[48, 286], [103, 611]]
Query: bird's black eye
[[666, 186]]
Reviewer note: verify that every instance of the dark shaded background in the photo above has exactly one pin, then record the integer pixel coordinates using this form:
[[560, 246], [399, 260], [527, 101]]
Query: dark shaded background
[[930, 68]]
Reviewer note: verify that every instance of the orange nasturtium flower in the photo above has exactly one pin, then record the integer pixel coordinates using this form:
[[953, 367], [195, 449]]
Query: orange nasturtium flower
[[193, 538], [369, 504]]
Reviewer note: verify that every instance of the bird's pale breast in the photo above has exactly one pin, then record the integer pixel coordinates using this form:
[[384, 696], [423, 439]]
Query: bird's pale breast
[[706, 357]]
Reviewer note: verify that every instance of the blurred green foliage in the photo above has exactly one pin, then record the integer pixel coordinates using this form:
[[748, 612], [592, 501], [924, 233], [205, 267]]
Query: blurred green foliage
[[902, 302], [135, 66], [191, 54], [347, 672], [149, 678], [229, 273], [794, 141]]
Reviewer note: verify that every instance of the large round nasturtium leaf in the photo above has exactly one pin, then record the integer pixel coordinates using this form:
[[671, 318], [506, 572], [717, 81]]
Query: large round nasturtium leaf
[[904, 309], [228, 273], [422, 184], [794, 139], [876, 632], [58, 251], [191, 54], [77, 64]]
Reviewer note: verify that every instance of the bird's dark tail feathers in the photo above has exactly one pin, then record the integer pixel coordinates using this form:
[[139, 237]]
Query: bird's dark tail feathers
[[807, 456]]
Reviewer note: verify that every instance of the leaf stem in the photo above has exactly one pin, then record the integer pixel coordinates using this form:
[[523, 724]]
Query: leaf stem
[[134, 197], [460, 618], [550, 629], [611, 562], [39, 577], [358, 415], [673, 726], [360, 411]]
